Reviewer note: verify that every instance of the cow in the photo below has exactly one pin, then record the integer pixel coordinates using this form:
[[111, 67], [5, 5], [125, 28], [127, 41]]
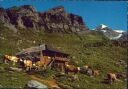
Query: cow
[[39, 64], [27, 64], [121, 75], [111, 77], [84, 69], [89, 72], [14, 59], [71, 68], [42, 62], [96, 72]]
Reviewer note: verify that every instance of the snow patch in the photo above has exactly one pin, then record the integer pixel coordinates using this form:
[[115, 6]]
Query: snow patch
[[104, 31], [117, 37], [119, 31]]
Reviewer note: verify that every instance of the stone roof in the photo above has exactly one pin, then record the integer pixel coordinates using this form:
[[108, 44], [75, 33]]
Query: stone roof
[[39, 49], [33, 49]]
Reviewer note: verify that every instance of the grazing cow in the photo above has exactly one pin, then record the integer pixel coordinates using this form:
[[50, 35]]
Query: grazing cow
[[111, 77], [72, 68], [84, 69], [43, 62], [121, 75], [96, 72], [14, 59], [39, 64], [27, 64], [89, 72]]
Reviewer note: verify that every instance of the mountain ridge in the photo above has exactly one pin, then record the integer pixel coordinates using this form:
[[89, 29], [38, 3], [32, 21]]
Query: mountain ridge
[[53, 20]]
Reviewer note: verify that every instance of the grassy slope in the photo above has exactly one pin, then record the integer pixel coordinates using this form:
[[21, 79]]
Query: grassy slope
[[13, 79], [103, 57]]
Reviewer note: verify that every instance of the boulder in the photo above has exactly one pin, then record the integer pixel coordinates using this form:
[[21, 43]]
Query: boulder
[[74, 78], [33, 84], [2, 69], [15, 69], [1, 86]]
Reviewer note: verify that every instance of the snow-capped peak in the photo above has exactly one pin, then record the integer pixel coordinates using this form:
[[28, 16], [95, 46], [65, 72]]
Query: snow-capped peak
[[119, 31], [103, 26]]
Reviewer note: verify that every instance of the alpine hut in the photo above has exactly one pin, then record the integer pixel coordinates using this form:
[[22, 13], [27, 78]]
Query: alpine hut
[[54, 58]]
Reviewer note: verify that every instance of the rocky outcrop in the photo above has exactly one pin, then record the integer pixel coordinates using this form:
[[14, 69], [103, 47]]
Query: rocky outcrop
[[33, 84], [53, 20], [3, 16], [15, 69]]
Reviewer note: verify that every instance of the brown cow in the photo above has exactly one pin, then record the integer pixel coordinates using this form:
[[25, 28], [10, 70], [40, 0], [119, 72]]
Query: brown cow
[[121, 75], [111, 77], [27, 64], [96, 72], [14, 59], [72, 68], [43, 62], [39, 64]]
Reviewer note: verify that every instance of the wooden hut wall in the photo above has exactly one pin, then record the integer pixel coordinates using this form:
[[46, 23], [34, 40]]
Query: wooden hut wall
[[59, 65]]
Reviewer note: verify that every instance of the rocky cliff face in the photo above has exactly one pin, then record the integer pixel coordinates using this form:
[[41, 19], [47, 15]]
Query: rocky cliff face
[[54, 20]]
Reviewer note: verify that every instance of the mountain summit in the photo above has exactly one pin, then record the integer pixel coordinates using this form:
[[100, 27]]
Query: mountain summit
[[53, 20], [108, 32], [102, 26]]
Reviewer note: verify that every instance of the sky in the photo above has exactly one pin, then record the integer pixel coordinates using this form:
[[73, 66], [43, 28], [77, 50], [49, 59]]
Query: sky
[[94, 13]]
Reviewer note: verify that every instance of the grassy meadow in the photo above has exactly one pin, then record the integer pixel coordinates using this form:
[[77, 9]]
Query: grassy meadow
[[91, 48]]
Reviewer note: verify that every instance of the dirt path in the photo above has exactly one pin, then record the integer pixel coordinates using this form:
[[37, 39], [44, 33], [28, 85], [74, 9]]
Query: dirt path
[[51, 83]]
